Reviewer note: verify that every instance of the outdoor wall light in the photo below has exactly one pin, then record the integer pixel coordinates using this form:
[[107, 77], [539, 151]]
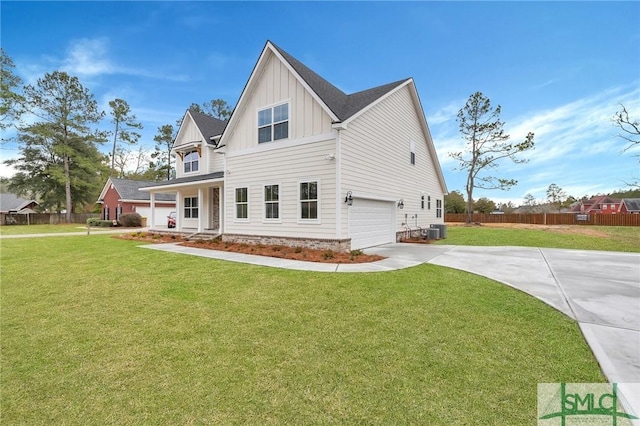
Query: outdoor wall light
[[348, 199], [401, 204]]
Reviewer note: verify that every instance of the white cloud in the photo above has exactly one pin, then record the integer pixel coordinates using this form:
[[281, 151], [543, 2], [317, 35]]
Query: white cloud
[[88, 57]]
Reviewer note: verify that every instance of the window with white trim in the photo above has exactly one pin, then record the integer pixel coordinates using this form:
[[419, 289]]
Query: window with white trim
[[190, 161], [271, 202], [438, 208], [309, 200], [273, 123], [242, 203], [190, 207], [429, 202]]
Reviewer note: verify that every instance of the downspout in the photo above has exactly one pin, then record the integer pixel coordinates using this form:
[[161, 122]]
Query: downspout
[[338, 185]]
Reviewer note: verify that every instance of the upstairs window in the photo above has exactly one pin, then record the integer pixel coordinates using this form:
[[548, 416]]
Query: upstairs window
[[271, 202], [273, 123], [191, 159]]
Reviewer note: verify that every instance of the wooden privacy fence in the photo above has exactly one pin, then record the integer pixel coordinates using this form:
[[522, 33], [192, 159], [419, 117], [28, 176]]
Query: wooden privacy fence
[[549, 218], [44, 218]]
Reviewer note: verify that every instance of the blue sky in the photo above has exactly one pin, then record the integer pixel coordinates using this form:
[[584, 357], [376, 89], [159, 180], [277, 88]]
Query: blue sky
[[558, 69]]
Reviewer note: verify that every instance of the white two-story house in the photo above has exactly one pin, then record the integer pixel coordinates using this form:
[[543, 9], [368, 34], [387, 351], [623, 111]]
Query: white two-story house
[[302, 163]]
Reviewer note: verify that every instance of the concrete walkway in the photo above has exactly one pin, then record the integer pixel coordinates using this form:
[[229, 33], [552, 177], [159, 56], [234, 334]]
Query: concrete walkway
[[600, 290]]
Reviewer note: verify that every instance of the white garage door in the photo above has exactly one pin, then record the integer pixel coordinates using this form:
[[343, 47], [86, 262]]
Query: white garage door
[[371, 223], [160, 218]]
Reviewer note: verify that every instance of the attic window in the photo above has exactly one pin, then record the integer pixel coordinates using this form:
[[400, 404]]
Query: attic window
[[273, 123], [191, 159]]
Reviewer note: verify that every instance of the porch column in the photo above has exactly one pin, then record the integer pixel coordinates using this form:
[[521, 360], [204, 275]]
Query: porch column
[[220, 209], [200, 209], [179, 211], [152, 200]]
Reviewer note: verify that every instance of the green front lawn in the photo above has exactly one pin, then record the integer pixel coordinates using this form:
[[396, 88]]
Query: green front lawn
[[42, 229], [607, 238], [98, 331]]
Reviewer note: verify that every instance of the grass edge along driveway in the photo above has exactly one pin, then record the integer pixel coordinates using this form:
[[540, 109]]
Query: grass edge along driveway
[[98, 331]]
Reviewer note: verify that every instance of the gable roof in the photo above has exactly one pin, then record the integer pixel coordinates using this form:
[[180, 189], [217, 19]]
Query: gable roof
[[129, 190], [341, 104], [12, 203], [209, 126], [632, 204]]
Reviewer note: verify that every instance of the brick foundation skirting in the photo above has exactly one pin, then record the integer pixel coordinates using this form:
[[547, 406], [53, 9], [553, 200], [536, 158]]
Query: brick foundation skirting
[[343, 245]]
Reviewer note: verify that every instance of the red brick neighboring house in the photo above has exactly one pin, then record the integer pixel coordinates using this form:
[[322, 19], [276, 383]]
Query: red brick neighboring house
[[630, 206], [598, 205], [122, 196]]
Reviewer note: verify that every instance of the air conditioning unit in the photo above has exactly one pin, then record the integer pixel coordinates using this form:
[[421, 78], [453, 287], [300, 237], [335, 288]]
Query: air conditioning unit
[[433, 234], [442, 228]]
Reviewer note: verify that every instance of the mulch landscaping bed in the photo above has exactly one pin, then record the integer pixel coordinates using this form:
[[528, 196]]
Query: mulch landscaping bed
[[284, 252]]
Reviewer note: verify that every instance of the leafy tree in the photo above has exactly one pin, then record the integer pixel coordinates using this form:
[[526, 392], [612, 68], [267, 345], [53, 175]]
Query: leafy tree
[[530, 203], [163, 163], [124, 123], [11, 102], [59, 156], [484, 205], [486, 145], [507, 207], [556, 196], [454, 202], [217, 108]]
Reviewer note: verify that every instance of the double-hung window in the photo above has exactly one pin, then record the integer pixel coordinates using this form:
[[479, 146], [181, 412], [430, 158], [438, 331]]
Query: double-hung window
[[242, 203], [438, 208], [190, 161], [273, 123], [271, 202], [191, 207], [309, 200]]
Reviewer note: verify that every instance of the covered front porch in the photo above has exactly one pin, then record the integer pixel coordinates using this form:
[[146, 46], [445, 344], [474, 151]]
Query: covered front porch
[[199, 204]]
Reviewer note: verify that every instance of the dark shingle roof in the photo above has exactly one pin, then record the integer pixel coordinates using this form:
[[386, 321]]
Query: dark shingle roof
[[342, 105], [632, 204], [129, 190], [11, 202], [209, 126]]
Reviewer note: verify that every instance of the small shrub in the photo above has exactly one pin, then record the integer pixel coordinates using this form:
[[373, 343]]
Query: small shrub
[[298, 249], [355, 253], [173, 237], [327, 254], [242, 246], [276, 248], [156, 236], [130, 220], [99, 222]]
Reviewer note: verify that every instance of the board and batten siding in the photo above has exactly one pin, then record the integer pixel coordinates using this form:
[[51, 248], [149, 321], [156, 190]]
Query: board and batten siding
[[376, 160], [189, 133], [276, 84], [286, 167]]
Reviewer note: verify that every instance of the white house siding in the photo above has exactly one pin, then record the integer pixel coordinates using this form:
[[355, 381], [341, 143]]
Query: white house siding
[[275, 85], [215, 161], [376, 160], [286, 167]]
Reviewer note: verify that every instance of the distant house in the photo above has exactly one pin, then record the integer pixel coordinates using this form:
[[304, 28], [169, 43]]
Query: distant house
[[302, 163], [12, 204], [630, 206], [598, 205], [123, 196]]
